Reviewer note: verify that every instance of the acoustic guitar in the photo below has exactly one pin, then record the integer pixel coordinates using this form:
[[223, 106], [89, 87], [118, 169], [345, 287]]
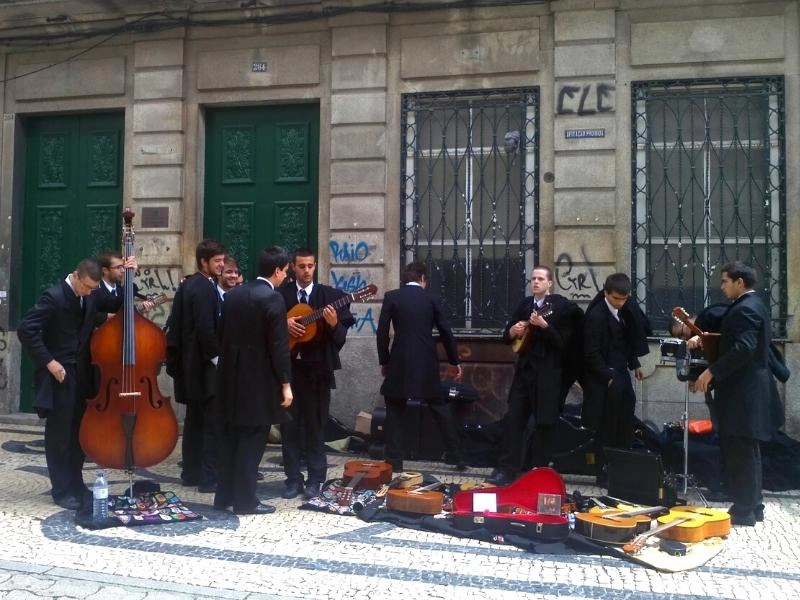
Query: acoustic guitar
[[369, 474], [710, 341], [703, 523], [403, 480], [309, 315], [635, 546], [520, 344], [419, 501], [613, 526], [156, 299]]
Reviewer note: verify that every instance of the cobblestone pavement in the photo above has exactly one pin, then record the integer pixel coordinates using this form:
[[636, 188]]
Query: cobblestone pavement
[[302, 554]]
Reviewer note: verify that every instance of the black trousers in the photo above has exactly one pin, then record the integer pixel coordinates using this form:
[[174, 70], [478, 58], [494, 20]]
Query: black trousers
[[525, 441], [62, 446], [442, 415], [741, 463], [309, 412], [200, 443], [616, 428], [241, 449]]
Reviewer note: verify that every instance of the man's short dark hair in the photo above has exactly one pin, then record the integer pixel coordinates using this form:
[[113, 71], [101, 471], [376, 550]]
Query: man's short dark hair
[[208, 249], [230, 259], [271, 259], [413, 271], [738, 270], [543, 268], [303, 252], [104, 259], [617, 283], [90, 268]]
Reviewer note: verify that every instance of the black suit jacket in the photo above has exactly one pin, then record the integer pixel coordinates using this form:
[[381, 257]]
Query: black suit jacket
[[56, 327], [412, 364], [596, 348], [254, 358], [192, 339], [323, 350], [744, 387]]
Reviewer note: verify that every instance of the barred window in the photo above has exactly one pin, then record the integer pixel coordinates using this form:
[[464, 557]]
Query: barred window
[[708, 188], [470, 198]]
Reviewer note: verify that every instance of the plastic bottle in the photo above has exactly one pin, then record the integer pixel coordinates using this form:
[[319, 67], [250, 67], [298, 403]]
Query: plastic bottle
[[100, 494]]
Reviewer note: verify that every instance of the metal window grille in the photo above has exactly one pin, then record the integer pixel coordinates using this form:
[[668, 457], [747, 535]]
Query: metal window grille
[[469, 199], [708, 188]]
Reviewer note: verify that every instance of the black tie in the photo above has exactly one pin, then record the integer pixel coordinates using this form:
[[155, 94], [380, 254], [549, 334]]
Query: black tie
[[114, 291], [303, 297]]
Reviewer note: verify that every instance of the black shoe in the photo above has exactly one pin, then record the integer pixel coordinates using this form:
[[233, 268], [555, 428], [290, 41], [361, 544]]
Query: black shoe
[[744, 519], [293, 490], [259, 476], [68, 502], [207, 488], [189, 480], [258, 509], [311, 491], [220, 506], [499, 477], [758, 513], [461, 466]]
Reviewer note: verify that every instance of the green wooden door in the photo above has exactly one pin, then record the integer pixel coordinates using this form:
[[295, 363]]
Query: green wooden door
[[262, 179], [73, 196]]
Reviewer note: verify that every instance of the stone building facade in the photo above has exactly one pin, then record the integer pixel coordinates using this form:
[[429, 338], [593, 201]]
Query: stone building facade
[[648, 136]]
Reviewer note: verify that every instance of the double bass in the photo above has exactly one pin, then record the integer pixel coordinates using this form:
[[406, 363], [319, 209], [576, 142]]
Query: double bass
[[129, 424]]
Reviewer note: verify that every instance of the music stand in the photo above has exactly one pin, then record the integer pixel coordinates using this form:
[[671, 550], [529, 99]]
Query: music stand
[[674, 350]]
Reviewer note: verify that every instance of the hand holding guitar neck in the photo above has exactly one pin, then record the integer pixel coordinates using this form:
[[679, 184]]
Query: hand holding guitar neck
[[520, 344]]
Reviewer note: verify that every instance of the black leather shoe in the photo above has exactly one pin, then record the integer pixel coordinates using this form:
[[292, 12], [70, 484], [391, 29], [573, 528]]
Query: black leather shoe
[[311, 491], [258, 509], [68, 502], [259, 476], [500, 477], [293, 490], [207, 488], [744, 519]]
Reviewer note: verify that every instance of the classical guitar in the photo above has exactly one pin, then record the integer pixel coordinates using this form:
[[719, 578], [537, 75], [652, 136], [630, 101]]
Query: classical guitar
[[309, 315], [703, 523], [420, 501], [156, 299], [613, 526], [710, 341], [635, 546], [520, 344], [403, 480]]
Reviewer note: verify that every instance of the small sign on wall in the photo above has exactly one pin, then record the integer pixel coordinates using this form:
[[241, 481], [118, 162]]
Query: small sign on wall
[[579, 134], [260, 67]]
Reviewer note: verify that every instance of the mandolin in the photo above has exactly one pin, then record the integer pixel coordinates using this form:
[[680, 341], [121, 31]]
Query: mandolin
[[420, 501], [703, 523], [710, 341], [520, 344], [308, 316]]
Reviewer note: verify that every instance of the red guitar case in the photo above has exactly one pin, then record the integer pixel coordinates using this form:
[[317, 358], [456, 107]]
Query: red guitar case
[[517, 508]]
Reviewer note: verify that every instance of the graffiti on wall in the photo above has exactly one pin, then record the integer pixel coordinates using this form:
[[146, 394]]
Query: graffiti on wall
[[577, 282], [348, 281], [366, 318], [585, 99], [348, 252], [3, 364]]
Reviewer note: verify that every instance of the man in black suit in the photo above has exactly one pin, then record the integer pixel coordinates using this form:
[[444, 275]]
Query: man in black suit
[[109, 293], [55, 332], [253, 388], [193, 351], [411, 367], [745, 391], [313, 367], [614, 337], [544, 321]]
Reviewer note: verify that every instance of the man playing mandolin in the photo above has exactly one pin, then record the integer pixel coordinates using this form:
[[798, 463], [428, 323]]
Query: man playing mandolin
[[313, 367], [539, 328]]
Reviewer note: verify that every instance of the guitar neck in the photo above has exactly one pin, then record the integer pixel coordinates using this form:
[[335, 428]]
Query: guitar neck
[[335, 305], [640, 539]]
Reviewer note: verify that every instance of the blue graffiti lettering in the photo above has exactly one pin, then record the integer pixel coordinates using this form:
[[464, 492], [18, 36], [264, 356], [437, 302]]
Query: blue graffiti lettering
[[348, 283], [345, 252], [366, 318]]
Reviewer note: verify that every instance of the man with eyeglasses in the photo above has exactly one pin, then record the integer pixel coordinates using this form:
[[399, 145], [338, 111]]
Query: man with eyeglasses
[[55, 332], [109, 292]]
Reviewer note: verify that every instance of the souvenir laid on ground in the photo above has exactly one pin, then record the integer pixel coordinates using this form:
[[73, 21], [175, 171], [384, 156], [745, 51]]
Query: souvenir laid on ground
[[150, 508]]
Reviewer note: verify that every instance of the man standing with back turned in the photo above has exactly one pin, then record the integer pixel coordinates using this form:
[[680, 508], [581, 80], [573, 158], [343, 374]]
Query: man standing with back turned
[[744, 390], [253, 388], [411, 368]]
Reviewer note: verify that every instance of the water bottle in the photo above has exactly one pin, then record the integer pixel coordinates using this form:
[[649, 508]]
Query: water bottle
[[100, 495]]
